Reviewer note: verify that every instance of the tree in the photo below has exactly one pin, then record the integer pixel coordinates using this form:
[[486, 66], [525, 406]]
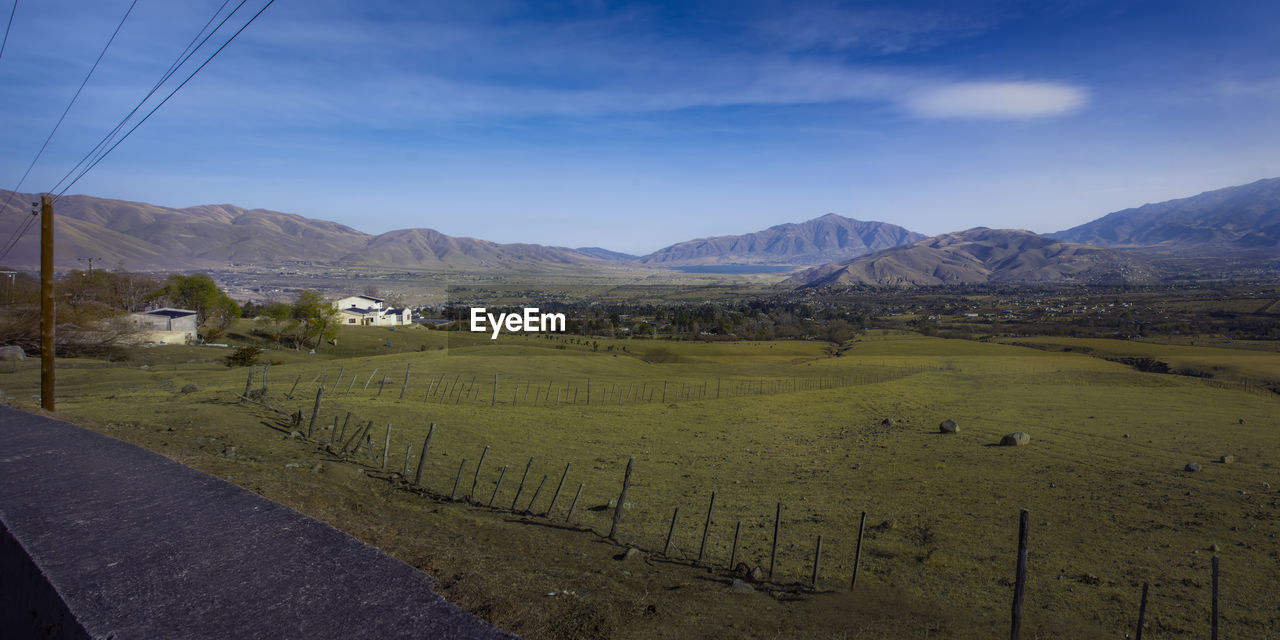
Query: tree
[[317, 320], [201, 294]]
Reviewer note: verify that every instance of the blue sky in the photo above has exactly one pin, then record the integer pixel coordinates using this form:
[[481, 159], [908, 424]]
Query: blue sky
[[633, 126]]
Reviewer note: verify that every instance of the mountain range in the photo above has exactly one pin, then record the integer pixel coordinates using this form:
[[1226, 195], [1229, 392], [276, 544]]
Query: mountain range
[[1221, 225], [982, 255], [1241, 218]]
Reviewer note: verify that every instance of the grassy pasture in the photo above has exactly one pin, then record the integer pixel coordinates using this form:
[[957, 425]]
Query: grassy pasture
[[1103, 477]]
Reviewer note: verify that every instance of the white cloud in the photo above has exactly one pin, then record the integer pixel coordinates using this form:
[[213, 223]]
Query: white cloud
[[997, 100]]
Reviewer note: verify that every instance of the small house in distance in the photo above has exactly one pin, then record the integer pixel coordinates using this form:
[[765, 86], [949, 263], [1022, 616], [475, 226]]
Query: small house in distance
[[165, 326], [369, 311]]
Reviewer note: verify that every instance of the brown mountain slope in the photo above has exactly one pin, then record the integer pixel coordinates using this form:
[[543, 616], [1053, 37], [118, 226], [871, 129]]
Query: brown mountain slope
[[137, 235], [981, 255], [825, 239]]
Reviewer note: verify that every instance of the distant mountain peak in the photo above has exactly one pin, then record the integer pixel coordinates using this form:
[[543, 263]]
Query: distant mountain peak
[[823, 239]]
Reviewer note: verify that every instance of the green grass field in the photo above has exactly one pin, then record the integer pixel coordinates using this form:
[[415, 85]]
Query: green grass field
[[1111, 506]]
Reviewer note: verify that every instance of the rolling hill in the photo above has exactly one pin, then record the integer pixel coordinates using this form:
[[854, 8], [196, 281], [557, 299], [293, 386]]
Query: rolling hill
[[982, 255], [825, 239], [1242, 218]]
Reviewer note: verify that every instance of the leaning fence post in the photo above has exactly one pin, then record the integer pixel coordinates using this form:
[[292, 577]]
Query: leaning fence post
[[405, 386], [520, 489], [1020, 578], [453, 495], [773, 552], [706, 528], [471, 495], [529, 507], [622, 500], [295, 386], [1142, 612], [573, 504], [733, 552], [408, 455], [666, 548], [315, 412], [422, 460], [498, 487], [386, 446], [1213, 623], [817, 560], [857, 552], [558, 488], [247, 384]]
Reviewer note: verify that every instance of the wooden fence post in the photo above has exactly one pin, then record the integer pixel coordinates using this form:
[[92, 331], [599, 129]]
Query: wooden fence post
[[520, 489], [501, 474], [1020, 578], [471, 495], [558, 488], [453, 495], [265, 367], [386, 446], [1142, 612], [534, 499], [857, 552], [573, 504], [773, 552], [248, 383], [315, 412], [408, 455], [1213, 623], [371, 374], [817, 560], [405, 386], [706, 529], [422, 459], [622, 500], [295, 386], [666, 548], [733, 552]]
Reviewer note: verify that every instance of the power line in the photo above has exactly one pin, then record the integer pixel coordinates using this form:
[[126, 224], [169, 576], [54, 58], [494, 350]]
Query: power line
[[73, 99], [162, 102], [8, 27], [17, 235], [182, 59]]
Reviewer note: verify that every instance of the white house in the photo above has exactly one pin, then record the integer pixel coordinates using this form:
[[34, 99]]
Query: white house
[[166, 326], [368, 311]]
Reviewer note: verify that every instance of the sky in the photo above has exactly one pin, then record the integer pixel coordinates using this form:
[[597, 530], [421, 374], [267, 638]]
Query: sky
[[632, 126]]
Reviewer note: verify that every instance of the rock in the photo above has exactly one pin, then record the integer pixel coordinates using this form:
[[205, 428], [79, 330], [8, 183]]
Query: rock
[[1227, 459], [1266, 485], [948, 426], [229, 453], [190, 388], [1016, 439], [1192, 467], [741, 570], [297, 435], [756, 574], [1214, 548], [885, 526], [740, 586], [12, 353], [630, 554], [888, 422], [1126, 436], [1241, 420]]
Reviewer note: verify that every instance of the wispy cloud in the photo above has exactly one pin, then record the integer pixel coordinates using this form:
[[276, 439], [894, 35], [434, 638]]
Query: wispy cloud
[[997, 100]]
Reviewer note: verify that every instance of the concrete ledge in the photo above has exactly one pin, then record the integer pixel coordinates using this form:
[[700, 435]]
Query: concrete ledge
[[102, 539]]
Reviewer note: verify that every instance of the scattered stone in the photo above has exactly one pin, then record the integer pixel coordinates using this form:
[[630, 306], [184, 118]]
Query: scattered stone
[[293, 465], [1192, 467], [1266, 485], [1227, 459], [949, 426], [12, 353], [887, 525], [229, 453], [1126, 436], [630, 554], [888, 422], [190, 388], [1089, 578], [756, 574], [144, 367], [296, 434], [1214, 548], [740, 586], [1241, 420], [1016, 439]]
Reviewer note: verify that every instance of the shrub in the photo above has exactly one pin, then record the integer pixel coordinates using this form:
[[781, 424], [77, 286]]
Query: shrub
[[245, 356]]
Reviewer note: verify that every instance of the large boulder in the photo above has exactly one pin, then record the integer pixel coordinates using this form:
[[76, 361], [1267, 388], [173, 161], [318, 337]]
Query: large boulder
[[12, 353], [1016, 439], [948, 426]]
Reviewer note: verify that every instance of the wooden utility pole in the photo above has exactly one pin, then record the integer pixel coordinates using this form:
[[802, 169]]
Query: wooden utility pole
[[46, 302]]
